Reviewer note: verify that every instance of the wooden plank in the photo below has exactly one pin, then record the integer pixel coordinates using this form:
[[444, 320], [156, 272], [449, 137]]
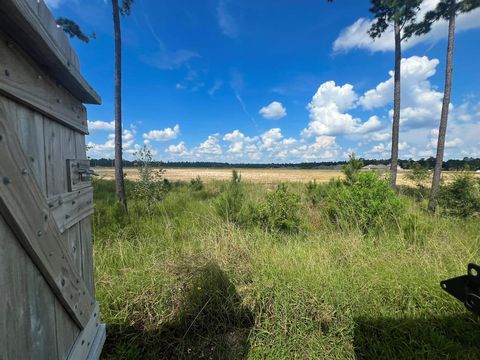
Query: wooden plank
[[100, 337], [25, 209], [69, 208], [74, 244], [54, 159], [24, 81], [87, 338], [27, 329], [59, 37], [81, 148], [66, 331], [23, 23], [86, 230], [87, 254], [29, 125]]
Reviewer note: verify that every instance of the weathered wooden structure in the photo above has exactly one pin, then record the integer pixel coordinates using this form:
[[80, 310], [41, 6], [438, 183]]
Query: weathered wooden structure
[[47, 295]]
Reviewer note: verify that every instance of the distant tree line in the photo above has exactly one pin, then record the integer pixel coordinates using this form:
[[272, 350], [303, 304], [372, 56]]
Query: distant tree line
[[429, 163]]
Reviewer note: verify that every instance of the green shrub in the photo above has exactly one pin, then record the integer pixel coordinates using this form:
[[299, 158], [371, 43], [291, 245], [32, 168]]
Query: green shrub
[[280, 211], [462, 196], [367, 202], [196, 184], [231, 200], [352, 167], [151, 186], [418, 175], [315, 192]]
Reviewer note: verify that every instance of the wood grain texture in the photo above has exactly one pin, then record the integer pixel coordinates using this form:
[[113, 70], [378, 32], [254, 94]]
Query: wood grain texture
[[55, 164], [39, 37], [29, 126], [87, 254], [26, 82], [70, 208], [74, 245], [100, 337], [25, 209], [86, 339], [27, 326], [66, 331]]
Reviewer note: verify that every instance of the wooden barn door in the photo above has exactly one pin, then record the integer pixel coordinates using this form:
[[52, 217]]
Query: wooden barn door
[[39, 232]]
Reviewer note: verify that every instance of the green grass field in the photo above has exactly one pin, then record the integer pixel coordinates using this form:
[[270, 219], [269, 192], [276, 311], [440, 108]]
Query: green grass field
[[178, 281]]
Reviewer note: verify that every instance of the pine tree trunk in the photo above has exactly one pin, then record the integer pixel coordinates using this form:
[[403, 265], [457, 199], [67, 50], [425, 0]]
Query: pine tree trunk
[[442, 130], [396, 107], [119, 180]]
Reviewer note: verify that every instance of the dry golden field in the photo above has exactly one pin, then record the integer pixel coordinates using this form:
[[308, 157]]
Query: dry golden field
[[264, 176]]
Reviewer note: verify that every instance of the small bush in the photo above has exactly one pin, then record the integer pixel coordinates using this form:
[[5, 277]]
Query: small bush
[[367, 202], [418, 175], [280, 211], [196, 184], [352, 167], [231, 200], [151, 187], [315, 192], [462, 196]]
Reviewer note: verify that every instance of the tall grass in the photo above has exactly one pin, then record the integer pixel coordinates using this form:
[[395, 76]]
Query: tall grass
[[180, 281]]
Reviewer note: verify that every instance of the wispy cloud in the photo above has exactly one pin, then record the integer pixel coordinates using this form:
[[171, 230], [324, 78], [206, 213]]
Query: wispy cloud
[[164, 58], [216, 86], [169, 60], [227, 23], [237, 83]]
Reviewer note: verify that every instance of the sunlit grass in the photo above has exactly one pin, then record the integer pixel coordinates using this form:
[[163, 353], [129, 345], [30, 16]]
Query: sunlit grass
[[180, 282]]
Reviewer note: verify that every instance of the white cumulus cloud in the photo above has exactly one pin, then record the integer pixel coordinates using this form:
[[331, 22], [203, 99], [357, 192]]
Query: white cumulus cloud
[[275, 110], [211, 146], [163, 135], [101, 125], [179, 149], [355, 36], [328, 114], [420, 102]]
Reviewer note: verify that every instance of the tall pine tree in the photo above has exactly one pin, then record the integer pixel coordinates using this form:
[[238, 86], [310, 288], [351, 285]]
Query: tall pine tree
[[445, 10], [125, 9], [398, 14]]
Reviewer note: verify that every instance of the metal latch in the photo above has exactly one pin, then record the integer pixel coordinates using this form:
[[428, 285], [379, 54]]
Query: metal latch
[[79, 174], [86, 173]]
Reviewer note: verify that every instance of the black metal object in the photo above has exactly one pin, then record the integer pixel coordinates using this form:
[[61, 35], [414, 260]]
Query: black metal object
[[466, 288]]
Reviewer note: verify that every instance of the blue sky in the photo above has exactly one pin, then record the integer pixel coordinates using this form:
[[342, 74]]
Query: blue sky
[[272, 81]]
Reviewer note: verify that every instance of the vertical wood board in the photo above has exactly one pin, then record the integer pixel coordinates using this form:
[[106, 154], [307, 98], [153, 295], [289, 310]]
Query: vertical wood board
[[27, 311]]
